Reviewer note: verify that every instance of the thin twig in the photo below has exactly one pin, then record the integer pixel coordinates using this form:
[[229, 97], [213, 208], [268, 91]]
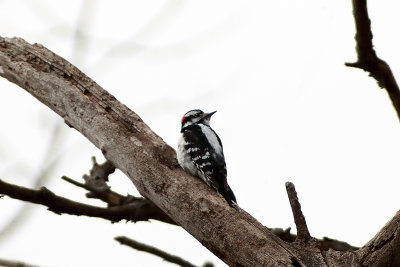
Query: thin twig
[[153, 250], [140, 204], [96, 184], [108, 196], [367, 58], [100, 171], [303, 235]]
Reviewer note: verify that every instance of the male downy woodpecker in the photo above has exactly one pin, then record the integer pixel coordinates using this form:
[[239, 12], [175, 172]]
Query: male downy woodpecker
[[200, 152]]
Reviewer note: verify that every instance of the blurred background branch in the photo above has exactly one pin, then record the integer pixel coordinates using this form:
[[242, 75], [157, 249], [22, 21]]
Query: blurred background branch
[[11, 263], [45, 172], [154, 251]]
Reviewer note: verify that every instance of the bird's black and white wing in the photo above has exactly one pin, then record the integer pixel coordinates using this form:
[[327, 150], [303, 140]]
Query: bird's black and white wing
[[200, 153]]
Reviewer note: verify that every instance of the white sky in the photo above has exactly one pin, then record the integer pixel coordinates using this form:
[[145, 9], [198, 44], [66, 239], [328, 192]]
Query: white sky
[[288, 109]]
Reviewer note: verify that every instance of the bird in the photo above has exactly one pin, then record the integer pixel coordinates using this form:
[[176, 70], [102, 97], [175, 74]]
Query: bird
[[200, 152]]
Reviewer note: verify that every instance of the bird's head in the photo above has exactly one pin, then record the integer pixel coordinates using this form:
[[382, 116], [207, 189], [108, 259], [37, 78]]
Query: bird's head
[[196, 116]]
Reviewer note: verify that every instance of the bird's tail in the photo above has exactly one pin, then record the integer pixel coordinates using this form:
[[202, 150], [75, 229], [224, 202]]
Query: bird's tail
[[227, 193]]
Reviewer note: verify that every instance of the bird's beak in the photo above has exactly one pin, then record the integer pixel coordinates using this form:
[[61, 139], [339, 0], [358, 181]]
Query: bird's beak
[[208, 115]]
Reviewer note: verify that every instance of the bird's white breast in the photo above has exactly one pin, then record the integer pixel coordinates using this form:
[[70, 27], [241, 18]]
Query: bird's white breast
[[184, 158]]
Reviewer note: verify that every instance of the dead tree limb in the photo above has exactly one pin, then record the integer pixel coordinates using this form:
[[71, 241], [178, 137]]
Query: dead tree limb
[[150, 163], [134, 211], [303, 235], [144, 208], [367, 58], [123, 240]]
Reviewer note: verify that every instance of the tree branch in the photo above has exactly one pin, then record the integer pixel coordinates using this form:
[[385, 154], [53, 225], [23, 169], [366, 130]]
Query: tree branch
[[139, 205], [135, 211], [384, 248], [153, 250], [367, 58], [303, 235], [96, 184], [108, 196]]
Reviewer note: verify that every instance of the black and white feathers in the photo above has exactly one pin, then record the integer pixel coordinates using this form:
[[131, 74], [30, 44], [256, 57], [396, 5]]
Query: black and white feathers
[[200, 152]]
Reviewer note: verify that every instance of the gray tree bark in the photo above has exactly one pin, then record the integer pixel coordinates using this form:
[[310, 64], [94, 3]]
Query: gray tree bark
[[230, 233]]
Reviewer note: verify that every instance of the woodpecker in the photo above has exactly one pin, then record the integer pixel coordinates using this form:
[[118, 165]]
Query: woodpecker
[[200, 152]]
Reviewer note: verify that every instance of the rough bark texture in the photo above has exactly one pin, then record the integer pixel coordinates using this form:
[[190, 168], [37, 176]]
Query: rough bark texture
[[150, 163]]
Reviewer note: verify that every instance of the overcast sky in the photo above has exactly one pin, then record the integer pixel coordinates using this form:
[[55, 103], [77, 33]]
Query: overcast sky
[[288, 110]]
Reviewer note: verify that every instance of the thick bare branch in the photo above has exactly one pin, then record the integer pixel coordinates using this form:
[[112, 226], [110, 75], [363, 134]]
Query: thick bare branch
[[384, 248], [367, 58]]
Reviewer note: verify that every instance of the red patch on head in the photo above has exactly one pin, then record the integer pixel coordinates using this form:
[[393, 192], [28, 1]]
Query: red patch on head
[[183, 118]]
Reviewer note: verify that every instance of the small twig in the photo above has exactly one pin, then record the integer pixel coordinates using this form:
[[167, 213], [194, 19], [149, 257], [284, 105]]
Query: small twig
[[153, 250], [76, 183], [101, 171], [98, 176], [367, 58], [139, 204], [96, 184], [108, 196], [303, 235]]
